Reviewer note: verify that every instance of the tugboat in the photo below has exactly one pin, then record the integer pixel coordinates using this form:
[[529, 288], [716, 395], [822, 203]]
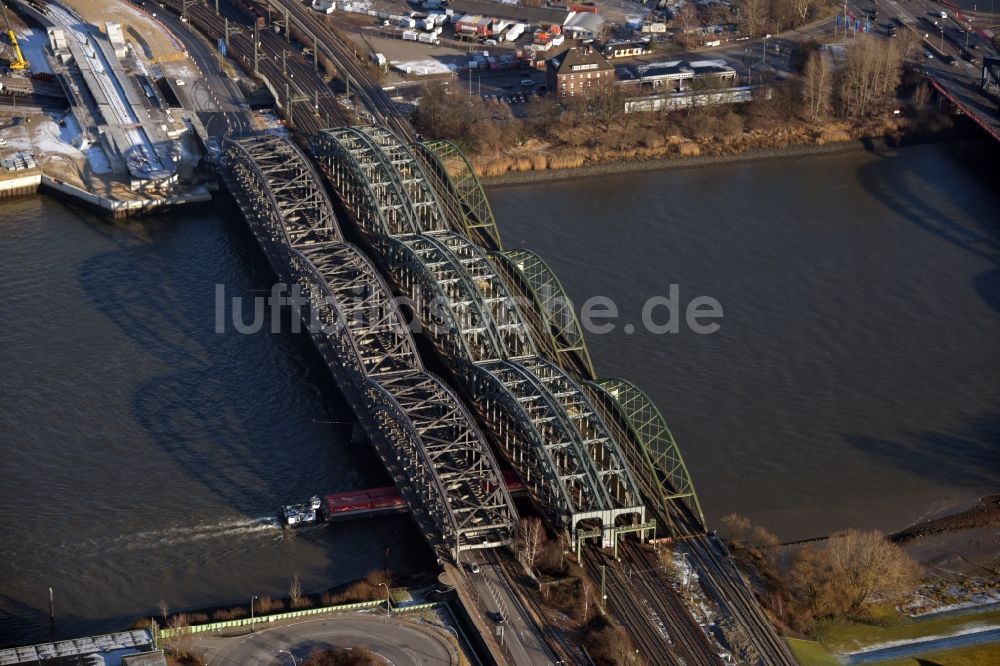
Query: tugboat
[[299, 515]]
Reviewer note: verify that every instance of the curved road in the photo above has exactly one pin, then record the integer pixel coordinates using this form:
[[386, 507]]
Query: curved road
[[401, 643]]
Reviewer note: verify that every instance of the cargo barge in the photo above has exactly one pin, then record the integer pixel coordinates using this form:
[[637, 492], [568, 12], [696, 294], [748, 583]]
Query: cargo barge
[[362, 503]]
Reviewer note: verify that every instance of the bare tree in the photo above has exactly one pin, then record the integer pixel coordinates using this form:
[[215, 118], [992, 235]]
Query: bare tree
[[870, 77], [530, 539], [866, 564], [817, 87], [586, 601], [163, 611], [181, 642], [686, 17], [801, 8], [295, 590], [754, 15]]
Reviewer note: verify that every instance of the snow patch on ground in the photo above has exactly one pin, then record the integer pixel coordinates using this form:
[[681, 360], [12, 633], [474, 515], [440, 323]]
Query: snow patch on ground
[[47, 140], [422, 67]]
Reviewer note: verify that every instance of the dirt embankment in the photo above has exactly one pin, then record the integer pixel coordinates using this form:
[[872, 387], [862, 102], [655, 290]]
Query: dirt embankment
[[984, 514]]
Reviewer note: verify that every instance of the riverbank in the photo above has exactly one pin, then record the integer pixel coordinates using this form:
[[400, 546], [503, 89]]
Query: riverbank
[[961, 131]]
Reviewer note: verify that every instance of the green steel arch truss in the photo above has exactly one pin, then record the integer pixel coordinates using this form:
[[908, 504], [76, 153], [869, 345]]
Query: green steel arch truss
[[454, 173], [559, 323], [649, 446]]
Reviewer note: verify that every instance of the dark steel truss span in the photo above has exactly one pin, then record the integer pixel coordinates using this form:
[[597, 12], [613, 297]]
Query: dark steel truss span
[[463, 302], [558, 324], [456, 178], [282, 182], [379, 180], [469, 500], [422, 432], [572, 464], [367, 308], [648, 444]]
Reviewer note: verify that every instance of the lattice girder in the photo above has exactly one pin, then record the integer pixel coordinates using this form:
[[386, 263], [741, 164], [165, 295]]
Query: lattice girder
[[595, 435], [444, 450], [409, 173], [512, 329], [535, 441], [276, 172], [368, 309], [552, 303], [651, 449], [370, 190], [447, 305], [455, 172]]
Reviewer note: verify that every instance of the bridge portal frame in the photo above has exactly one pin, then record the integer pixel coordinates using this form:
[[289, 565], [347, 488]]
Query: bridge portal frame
[[551, 448]]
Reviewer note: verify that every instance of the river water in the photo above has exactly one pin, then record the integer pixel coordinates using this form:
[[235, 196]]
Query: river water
[[855, 379]]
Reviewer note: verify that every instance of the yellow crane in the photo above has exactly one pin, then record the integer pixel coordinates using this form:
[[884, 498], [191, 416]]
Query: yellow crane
[[19, 63]]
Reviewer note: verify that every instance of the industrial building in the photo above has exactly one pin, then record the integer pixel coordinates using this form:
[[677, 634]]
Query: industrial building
[[677, 75]]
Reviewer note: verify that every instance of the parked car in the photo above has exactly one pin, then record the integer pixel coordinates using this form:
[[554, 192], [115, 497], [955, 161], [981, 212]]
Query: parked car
[[474, 568]]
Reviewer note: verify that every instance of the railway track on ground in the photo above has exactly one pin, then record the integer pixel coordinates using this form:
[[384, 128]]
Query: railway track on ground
[[282, 67], [690, 639], [654, 643], [351, 64], [733, 594]]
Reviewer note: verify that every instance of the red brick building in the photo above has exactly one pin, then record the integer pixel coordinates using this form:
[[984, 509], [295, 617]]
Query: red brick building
[[578, 71]]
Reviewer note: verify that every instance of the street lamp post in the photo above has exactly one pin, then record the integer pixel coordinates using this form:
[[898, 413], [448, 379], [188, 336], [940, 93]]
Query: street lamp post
[[763, 60], [294, 662], [388, 601], [251, 611]]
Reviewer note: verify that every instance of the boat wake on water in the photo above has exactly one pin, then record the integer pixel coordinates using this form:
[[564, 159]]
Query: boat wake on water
[[170, 536]]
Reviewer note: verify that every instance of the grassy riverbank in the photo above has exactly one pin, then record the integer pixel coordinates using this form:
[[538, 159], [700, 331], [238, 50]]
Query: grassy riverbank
[[843, 637]]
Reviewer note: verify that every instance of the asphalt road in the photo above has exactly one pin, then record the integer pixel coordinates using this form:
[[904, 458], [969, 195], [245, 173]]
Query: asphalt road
[[520, 636], [401, 642]]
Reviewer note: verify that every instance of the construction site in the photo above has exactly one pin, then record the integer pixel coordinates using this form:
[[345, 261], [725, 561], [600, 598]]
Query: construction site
[[85, 112]]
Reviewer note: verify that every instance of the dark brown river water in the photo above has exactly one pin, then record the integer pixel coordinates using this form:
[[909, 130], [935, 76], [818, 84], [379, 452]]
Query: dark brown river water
[[855, 379]]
